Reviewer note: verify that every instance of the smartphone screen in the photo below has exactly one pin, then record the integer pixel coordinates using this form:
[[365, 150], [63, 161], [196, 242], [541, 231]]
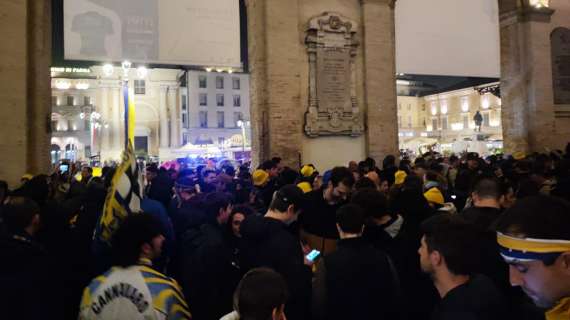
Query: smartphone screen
[[313, 255], [63, 168]]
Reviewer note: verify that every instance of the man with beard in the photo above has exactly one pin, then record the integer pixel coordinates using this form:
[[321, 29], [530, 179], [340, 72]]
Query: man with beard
[[318, 219]]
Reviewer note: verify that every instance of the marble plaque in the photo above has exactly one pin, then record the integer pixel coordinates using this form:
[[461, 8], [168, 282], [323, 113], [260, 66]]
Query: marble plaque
[[332, 47], [333, 79], [560, 43]]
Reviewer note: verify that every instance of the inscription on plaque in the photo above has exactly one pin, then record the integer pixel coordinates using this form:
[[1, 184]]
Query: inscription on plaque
[[560, 43], [332, 48], [333, 81]]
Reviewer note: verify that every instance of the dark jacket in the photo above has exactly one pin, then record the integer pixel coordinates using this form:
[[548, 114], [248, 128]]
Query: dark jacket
[[188, 215], [270, 243], [478, 299], [356, 282], [208, 275], [31, 284], [417, 287], [318, 217]]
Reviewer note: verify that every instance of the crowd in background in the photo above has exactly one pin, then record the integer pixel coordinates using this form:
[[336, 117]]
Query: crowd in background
[[404, 239]]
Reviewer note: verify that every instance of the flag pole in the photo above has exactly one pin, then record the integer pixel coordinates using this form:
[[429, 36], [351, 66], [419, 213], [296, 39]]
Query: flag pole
[[126, 66]]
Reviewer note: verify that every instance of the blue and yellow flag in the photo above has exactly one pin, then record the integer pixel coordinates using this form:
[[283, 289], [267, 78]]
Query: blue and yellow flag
[[123, 197], [129, 115]]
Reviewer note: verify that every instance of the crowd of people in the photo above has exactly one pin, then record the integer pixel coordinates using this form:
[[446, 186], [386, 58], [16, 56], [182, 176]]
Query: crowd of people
[[435, 237]]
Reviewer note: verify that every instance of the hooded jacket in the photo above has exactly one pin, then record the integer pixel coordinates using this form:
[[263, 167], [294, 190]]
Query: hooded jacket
[[270, 243]]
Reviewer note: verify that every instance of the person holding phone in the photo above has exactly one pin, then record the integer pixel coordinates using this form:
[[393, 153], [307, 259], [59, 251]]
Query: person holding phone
[[357, 281], [269, 242]]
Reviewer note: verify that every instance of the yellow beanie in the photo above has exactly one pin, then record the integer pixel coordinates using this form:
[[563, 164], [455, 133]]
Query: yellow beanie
[[305, 186], [260, 177], [307, 171], [400, 177], [519, 156], [433, 195]]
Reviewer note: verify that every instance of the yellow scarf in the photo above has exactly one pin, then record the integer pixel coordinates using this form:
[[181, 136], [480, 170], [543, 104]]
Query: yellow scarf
[[561, 311]]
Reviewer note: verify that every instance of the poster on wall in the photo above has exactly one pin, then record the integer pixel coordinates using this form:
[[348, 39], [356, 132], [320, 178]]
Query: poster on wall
[[179, 32]]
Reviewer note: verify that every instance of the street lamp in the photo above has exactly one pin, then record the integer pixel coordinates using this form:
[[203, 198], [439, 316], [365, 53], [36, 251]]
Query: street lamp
[[242, 124]]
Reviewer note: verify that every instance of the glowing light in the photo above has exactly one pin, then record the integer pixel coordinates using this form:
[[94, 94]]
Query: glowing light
[[108, 70], [457, 126], [540, 3], [465, 104], [63, 85], [444, 107], [485, 103], [142, 72], [209, 69], [82, 86]]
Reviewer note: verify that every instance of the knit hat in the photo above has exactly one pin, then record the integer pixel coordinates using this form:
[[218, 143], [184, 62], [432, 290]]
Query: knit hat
[[400, 176], [305, 186], [519, 156], [433, 195], [260, 177], [307, 170]]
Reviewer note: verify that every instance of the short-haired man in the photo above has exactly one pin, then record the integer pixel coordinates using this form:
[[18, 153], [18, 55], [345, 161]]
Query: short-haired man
[[534, 239], [30, 289], [357, 281], [269, 242], [486, 207], [260, 295], [448, 253], [271, 167], [319, 214], [133, 289], [209, 272]]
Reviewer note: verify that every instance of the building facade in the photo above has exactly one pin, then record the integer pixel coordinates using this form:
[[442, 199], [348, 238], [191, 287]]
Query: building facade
[[446, 120], [175, 111]]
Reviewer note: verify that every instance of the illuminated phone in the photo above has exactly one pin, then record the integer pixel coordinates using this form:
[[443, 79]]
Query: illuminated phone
[[313, 255], [63, 168]]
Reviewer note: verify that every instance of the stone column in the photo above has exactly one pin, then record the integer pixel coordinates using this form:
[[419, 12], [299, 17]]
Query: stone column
[[527, 110], [174, 116], [117, 106], [106, 117], [25, 104], [380, 78], [163, 117], [275, 63]]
